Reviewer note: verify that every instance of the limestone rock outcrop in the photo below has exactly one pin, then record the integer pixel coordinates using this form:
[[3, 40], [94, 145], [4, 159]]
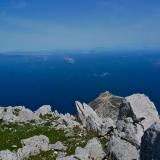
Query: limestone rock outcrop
[[18, 114], [91, 121], [142, 107], [26, 115], [120, 149], [33, 146], [43, 110], [106, 105], [130, 124], [136, 114]]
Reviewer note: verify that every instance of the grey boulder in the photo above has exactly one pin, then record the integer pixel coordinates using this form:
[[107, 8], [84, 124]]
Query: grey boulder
[[119, 149], [33, 146], [8, 155]]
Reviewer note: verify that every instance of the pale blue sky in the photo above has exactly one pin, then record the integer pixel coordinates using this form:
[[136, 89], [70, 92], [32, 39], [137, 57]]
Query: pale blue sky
[[27, 25]]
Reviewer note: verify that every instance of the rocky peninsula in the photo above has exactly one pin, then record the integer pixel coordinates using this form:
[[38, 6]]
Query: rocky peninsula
[[108, 128]]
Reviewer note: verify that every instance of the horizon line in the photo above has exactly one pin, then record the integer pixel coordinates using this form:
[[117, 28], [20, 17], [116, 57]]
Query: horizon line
[[92, 50]]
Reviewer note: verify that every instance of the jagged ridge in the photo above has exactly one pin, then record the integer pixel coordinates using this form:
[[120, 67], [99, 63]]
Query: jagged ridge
[[110, 127]]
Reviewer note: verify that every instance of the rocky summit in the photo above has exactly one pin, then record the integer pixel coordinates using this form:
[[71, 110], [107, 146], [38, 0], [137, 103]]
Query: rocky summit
[[108, 128]]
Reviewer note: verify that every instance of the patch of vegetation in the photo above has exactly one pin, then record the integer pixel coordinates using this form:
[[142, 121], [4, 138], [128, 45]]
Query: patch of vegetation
[[5, 109], [48, 155], [1, 121], [116, 101], [104, 141], [16, 111], [79, 140], [48, 117], [11, 135]]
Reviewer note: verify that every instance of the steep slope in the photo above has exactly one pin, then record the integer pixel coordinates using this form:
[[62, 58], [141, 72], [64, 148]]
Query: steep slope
[[107, 105]]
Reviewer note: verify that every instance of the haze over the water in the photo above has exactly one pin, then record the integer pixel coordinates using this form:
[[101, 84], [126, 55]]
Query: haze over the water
[[27, 25]]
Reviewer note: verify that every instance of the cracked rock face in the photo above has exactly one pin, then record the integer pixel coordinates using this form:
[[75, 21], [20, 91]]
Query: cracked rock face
[[91, 121], [142, 113], [143, 107], [136, 114], [129, 132], [88, 117], [150, 146], [121, 150]]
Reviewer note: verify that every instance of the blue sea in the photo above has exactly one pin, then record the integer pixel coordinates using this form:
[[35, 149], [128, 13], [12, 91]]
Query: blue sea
[[33, 80]]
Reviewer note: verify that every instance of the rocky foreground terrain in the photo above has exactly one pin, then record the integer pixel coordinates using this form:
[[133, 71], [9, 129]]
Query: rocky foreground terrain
[[108, 128]]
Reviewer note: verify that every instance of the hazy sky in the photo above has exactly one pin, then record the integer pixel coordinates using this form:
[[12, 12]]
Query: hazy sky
[[79, 24]]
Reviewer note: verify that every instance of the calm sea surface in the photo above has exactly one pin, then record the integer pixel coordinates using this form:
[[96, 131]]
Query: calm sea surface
[[59, 80]]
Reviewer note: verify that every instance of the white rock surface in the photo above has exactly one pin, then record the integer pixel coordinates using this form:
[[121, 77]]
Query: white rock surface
[[40, 142], [121, 150], [82, 153], [8, 155], [143, 107], [18, 114], [87, 115], [95, 149], [135, 107], [33, 146], [43, 110], [26, 115], [7, 114], [9, 118], [132, 133], [67, 158], [137, 113]]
